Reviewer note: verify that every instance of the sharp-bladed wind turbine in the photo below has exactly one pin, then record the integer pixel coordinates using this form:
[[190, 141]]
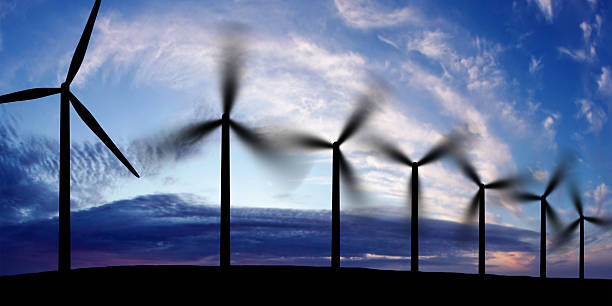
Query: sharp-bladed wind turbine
[[545, 209], [444, 148], [67, 98], [478, 203], [340, 165], [565, 235]]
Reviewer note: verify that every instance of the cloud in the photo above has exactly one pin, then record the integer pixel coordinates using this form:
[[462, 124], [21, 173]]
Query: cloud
[[535, 65], [321, 81], [595, 115], [604, 82], [546, 8], [431, 43], [549, 124], [181, 229], [586, 30], [29, 176], [599, 195], [540, 174], [590, 34], [366, 14], [577, 55], [387, 41]]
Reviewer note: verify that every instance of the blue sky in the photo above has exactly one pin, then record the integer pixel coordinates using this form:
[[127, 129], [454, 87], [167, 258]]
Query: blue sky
[[528, 79]]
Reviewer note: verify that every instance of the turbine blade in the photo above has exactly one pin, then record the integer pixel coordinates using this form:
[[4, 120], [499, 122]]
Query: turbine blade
[[350, 180], [231, 73], [291, 167], [472, 210], [557, 177], [576, 199], [232, 65], [302, 140], [606, 222], [347, 172], [79, 53], [447, 146], [526, 197], [355, 122], [505, 183], [552, 215], [565, 235], [467, 168], [95, 127], [392, 152], [255, 141], [189, 135], [29, 94]]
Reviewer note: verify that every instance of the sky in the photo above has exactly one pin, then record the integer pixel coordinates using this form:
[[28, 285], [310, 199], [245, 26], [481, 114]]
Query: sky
[[528, 80]]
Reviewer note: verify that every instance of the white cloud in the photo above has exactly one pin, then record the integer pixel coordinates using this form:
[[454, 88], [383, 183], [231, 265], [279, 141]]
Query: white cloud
[[430, 43], [480, 71], [387, 41], [532, 107], [605, 82], [595, 115], [366, 14], [548, 122], [590, 35], [540, 174], [546, 8], [577, 55], [586, 30], [535, 65], [599, 195], [598, 23]]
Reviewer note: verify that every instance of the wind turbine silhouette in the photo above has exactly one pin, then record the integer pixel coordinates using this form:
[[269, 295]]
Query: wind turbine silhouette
[[230, 73], [67, 98], [565, 235], [447, 146], [340, 165], [545, 209], [478, 203]]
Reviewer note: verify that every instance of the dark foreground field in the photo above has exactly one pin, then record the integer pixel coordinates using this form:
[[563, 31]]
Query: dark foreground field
[[241, 282]]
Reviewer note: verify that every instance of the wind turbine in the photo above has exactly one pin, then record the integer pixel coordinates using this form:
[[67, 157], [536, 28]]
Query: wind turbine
[[565, 235], [545, 209], [395, 154], [230, 74], [340, 166], [478, 203], [67, 98]]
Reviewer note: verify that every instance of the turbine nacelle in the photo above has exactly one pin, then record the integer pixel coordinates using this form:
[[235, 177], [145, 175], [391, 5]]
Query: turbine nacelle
[[65, 88]]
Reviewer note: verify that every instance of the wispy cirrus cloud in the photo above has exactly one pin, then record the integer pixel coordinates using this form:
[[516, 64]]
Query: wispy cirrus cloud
[[591, 35], [388, 41], [604, 82], [599, 195], [367, 14], [535, 65], [546, 8], [592, 113], [30, 169]]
